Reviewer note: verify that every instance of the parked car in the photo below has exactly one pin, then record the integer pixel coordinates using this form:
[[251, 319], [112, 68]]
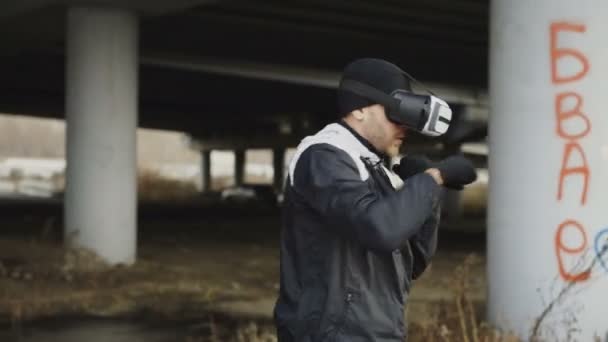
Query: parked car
[[250, 193]]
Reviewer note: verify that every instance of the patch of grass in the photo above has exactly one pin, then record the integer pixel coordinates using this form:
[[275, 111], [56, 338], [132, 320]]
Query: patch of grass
[[454, 321], [72, 281], [458, 320], [151, 186]]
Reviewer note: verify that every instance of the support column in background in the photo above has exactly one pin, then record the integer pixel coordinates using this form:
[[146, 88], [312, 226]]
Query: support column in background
[[547, 222], [239, 167], [278, 163], [101, 113], [205, 170]]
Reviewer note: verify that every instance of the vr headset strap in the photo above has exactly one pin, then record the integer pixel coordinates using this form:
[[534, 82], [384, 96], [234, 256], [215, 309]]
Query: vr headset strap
[[370, 93]]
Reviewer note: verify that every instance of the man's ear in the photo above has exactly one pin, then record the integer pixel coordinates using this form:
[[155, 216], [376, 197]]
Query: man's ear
[[359, 114]]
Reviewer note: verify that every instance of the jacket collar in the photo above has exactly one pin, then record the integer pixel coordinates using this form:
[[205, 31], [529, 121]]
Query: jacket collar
[[363, 141], [344, 138]]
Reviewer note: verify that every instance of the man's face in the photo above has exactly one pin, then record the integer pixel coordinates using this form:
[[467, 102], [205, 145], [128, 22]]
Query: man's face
[[385, 135]]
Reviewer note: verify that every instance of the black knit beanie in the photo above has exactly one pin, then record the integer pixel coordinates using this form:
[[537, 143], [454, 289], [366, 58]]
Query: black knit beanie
[[377, 73]]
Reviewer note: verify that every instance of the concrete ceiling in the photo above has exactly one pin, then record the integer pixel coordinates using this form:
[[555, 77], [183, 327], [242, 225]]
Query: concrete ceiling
[[195, 55], [11, 8]]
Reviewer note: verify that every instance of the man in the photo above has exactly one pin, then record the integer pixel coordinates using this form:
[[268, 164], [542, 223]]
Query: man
[[355, 234]]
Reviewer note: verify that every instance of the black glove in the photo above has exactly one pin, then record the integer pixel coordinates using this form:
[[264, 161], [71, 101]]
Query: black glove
[[456, 171], [411, 165]]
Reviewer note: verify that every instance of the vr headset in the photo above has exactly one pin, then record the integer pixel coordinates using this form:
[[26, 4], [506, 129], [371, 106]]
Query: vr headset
[[426, 114]]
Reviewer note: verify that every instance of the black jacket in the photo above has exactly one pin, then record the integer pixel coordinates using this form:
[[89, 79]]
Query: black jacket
[[351, 242]]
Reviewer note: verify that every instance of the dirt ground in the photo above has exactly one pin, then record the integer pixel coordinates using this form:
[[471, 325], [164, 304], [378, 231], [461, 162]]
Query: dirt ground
[[194, 269]]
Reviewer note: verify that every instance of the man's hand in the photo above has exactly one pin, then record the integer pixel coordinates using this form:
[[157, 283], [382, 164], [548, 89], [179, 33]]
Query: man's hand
[[453, 172], [411, 165], [456, 171], [436, 175]]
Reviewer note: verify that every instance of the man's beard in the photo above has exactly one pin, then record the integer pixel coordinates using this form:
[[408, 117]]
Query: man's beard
[[393, 150]]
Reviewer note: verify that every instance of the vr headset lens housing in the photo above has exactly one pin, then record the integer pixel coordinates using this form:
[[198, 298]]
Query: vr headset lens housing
[[426, 114], [411, 109], [441, 116]]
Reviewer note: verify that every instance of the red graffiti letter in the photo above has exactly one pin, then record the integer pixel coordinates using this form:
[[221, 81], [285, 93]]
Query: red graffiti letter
[[560, 247], [557, 53], [563, 115], [568, 170]]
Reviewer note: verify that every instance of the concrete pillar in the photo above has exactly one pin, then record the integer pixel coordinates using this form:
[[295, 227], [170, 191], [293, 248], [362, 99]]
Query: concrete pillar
[[206, 170], [547, 271], [239, 167], [101, 113], [278, 163]]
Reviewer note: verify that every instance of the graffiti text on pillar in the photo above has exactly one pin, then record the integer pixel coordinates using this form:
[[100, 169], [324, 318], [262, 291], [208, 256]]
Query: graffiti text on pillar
[[572, 125]]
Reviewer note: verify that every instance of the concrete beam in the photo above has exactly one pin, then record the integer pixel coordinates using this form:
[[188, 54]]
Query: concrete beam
[[151, 7], [10, 8], [476, 152], [304, 76], [230, 143]]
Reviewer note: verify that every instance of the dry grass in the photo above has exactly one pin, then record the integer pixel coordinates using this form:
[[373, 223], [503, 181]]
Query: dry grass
[[454, 321], [151, 185], [42, 280], [64, 282], [223, 330], [458, 320]]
